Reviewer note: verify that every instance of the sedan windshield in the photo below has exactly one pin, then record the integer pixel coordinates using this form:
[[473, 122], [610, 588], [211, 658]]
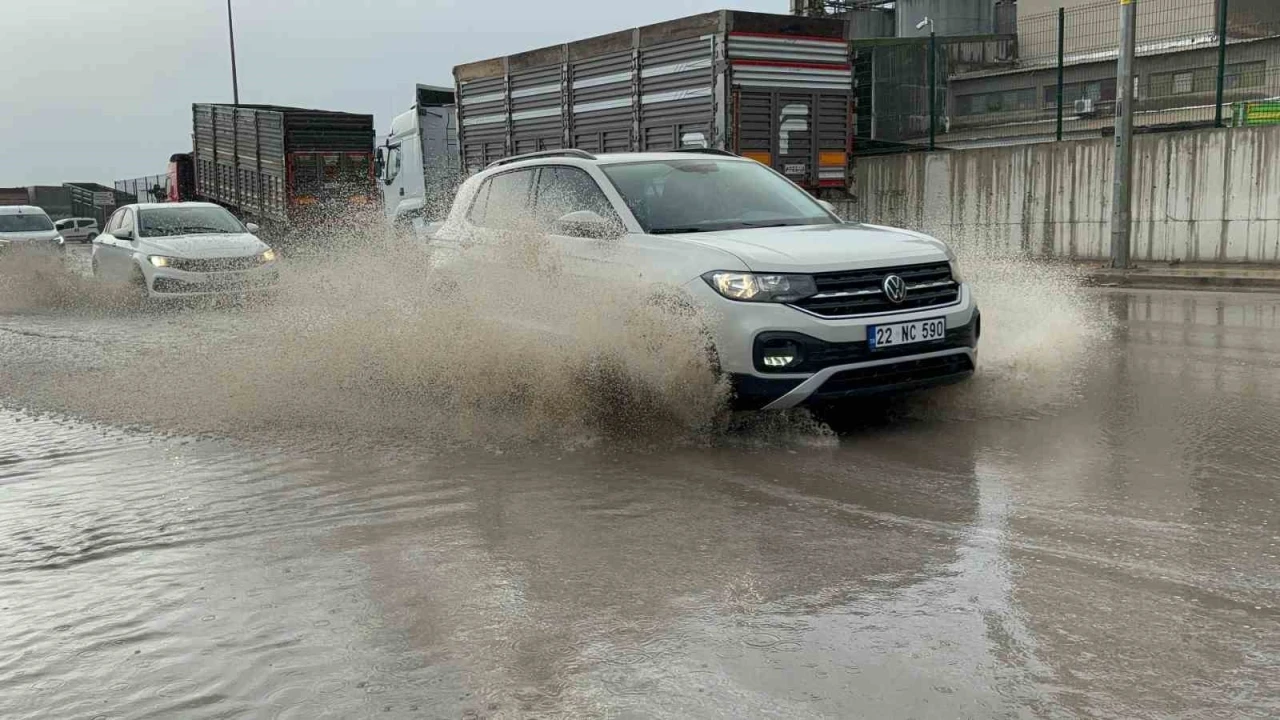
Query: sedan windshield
[[25, 223], [166, 222], [701, 195]]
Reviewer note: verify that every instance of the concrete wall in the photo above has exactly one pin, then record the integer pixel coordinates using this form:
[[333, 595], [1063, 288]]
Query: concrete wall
[[1200, 196]]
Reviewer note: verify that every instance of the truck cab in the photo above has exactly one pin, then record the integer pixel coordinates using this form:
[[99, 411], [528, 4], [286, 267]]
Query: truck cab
[[418, 163]]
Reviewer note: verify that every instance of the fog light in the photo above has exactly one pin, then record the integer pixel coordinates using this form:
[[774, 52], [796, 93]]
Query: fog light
[[780, 355]]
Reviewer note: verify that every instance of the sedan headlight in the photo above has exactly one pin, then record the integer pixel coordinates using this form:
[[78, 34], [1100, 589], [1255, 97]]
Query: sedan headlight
[[267, 256], [761, 287], [160, 261]]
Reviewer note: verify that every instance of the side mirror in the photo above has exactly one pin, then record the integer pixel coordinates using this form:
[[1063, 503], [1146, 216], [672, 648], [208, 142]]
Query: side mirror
[[586, 224], [252, 228], [123, 234]]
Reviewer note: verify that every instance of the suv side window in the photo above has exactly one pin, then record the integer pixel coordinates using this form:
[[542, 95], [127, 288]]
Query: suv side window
[[86, 223], [503, 201], [113, 223], [63, 225], [563, 189], [126, 221]]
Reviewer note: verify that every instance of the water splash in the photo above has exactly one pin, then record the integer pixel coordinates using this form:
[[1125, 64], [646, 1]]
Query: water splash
[[359, 346]]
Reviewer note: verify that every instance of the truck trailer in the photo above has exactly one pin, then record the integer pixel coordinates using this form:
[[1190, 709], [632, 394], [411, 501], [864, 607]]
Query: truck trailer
[[774, 88], [418, 163], [282, 167]]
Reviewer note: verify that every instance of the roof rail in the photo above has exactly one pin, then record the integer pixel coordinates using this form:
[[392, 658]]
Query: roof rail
[[706, 151], [567, 152]]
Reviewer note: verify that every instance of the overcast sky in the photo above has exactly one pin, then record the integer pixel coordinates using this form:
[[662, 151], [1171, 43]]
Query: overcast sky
[[101, 90]]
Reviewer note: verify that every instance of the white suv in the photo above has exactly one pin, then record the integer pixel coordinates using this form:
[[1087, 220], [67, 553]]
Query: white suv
[[804, 308]]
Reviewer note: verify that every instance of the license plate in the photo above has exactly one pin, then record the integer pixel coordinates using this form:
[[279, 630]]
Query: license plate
[[793, 169], [879, 336]]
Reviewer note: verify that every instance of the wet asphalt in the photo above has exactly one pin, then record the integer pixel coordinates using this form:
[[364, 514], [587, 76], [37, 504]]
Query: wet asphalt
[[1113, 553]]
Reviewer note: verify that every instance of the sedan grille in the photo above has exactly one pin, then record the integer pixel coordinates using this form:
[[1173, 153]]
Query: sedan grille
[[207, 265], [861, 292]]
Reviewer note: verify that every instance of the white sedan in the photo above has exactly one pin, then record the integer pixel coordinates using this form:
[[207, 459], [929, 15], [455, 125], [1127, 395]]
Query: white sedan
[[183, 250]]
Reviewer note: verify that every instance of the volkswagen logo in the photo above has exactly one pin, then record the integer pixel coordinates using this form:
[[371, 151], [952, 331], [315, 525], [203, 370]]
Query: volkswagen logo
[[895, 288]]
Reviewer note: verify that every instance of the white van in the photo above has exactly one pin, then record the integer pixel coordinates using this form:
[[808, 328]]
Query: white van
[[27, 227], [77, 229]]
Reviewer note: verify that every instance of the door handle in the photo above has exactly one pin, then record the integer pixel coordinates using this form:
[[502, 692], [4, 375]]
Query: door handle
[[401, 192]]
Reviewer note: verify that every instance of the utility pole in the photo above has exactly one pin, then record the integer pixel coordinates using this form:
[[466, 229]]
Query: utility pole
[[1062, 39], [1222, 61], [1121, 197], [231, 32], [933, 80]]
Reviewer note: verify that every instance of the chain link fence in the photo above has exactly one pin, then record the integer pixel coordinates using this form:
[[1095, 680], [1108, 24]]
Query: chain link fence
[[152, 188], [1200, 63]]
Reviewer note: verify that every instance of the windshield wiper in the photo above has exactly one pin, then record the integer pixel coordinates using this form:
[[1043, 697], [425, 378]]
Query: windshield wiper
[[202, 229], [677, 230], [771, 223]]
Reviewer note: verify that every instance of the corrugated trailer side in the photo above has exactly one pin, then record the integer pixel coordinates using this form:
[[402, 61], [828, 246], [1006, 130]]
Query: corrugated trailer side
[[776, 88], [239, 159], [600, 87]]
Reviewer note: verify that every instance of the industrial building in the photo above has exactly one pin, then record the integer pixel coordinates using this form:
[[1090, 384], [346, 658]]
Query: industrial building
[[995, 70]]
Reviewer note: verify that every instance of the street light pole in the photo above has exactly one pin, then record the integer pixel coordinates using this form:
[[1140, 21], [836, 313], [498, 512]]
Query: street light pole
[[231, 33], [933, 80], [1121, 210]]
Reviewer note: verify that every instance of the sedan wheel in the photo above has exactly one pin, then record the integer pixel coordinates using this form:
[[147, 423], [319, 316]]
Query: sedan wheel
[[139, 283]]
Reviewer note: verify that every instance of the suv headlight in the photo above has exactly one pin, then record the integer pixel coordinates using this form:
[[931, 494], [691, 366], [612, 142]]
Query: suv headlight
[[160, 261], [267, 256], [761, 287]]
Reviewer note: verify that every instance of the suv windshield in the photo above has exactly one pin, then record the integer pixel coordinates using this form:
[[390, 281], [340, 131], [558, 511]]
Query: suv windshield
[[27, 222], [163, 222], [702, 194]]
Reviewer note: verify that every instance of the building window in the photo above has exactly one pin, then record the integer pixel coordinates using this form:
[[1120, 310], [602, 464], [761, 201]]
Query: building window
[[1246, 75], [1183, 83], [1205, 79], [996, 102], [1095, 90]]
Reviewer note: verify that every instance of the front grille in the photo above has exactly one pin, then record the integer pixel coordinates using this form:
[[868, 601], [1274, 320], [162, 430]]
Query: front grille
[[207, 265], [896, 376], [256, 281], [859, 292]]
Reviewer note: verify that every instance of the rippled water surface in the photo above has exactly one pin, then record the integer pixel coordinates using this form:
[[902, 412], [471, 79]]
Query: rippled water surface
[[1088, 529]]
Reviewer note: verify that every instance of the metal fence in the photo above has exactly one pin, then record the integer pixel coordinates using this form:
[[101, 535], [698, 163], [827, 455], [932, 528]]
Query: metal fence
[[152, 188], [1200, 63]]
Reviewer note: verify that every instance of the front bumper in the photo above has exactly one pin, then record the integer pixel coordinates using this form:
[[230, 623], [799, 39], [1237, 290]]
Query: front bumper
[[30, 247], [170, 283], [839, 364]]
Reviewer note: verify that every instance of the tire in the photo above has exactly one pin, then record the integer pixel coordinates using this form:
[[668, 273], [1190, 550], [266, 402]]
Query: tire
[[676, 303], [138, 282]]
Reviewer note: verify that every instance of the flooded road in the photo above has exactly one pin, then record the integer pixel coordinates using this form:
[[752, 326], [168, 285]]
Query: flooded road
[[1080, 532]]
